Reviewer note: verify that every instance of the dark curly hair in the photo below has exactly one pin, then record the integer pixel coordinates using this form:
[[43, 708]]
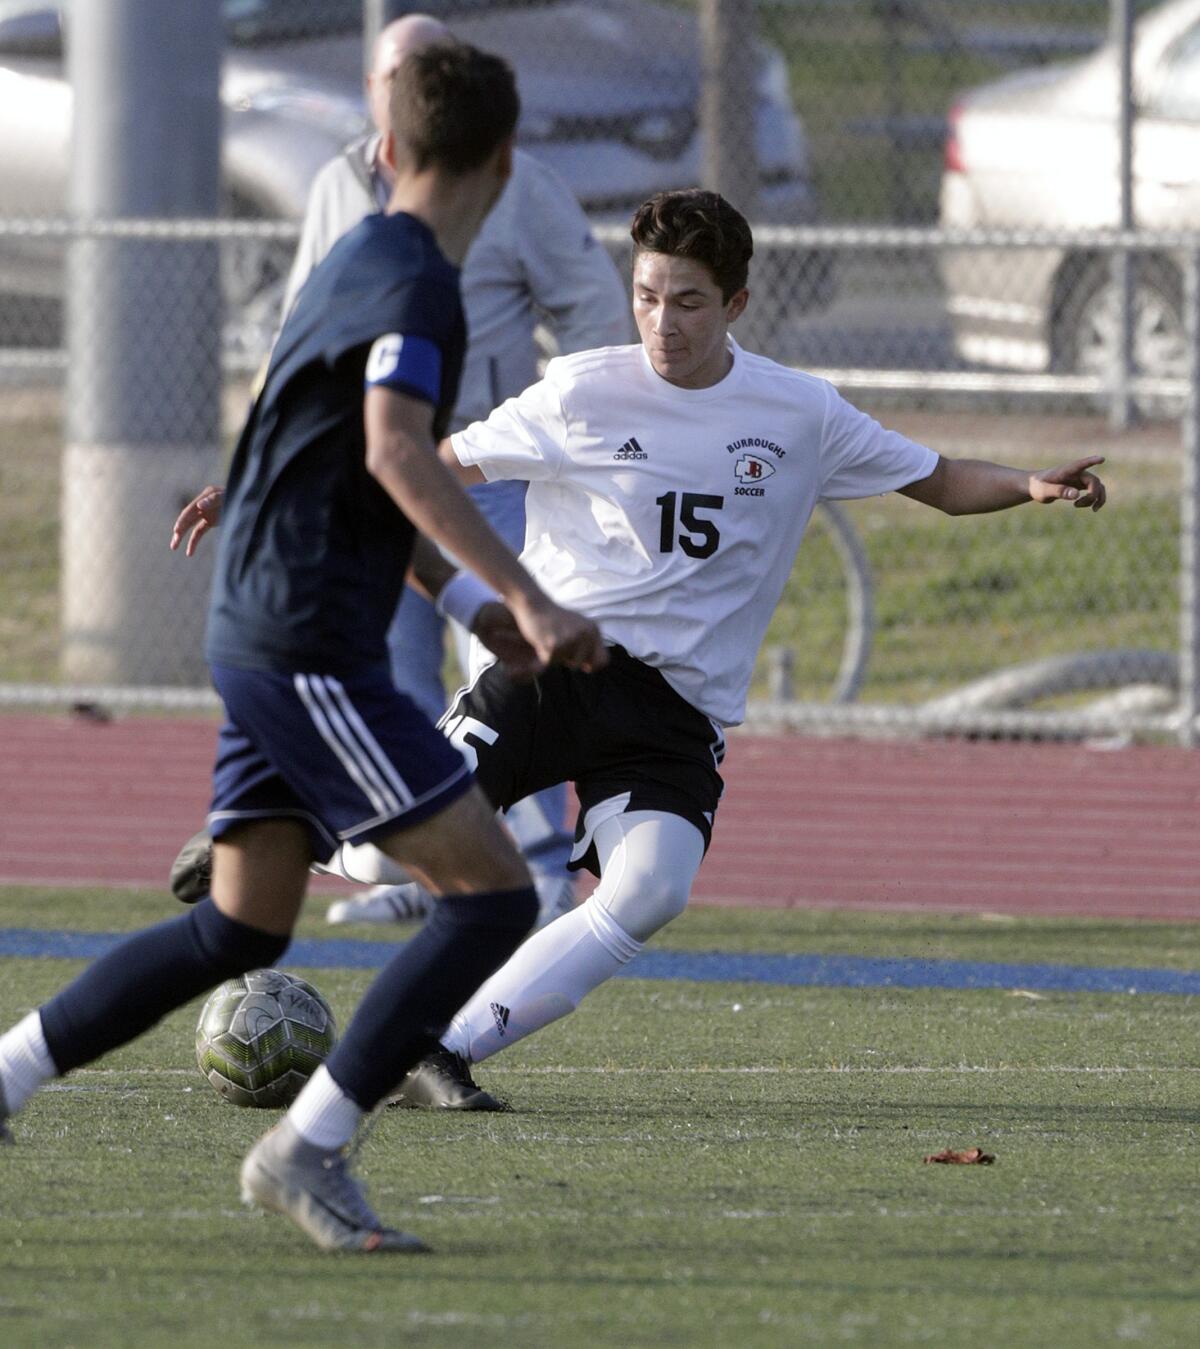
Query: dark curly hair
[[697, 224]]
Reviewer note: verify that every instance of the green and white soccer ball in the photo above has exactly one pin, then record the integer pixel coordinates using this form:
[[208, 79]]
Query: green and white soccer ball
[[262, 1036]]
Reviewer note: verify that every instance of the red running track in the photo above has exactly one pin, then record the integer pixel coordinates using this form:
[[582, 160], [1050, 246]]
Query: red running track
[[948, 825]]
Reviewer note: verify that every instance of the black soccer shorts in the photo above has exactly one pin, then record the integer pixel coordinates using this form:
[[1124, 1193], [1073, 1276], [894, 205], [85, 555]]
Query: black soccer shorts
[[622, 736]]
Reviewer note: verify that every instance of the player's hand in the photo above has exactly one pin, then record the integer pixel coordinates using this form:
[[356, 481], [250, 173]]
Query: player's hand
[[1071, 482], [561, 636], [200, 515], [497, 629]]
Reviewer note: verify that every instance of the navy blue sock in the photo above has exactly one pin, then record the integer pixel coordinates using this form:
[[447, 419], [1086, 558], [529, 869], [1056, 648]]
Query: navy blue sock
[[155, 971], [409, 1005]]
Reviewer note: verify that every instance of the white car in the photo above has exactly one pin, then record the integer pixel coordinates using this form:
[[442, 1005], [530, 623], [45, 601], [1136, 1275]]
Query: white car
[[1039, 150]]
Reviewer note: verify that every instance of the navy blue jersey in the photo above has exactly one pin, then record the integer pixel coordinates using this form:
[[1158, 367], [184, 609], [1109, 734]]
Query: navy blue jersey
[[313, 552]]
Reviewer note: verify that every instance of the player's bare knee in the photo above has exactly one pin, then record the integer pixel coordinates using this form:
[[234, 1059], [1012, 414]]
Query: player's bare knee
[[483, 861], [260, 873], [462, 850]]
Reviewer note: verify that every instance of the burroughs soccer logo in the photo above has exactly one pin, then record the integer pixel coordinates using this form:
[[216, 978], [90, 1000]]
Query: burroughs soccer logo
[[750, 468]]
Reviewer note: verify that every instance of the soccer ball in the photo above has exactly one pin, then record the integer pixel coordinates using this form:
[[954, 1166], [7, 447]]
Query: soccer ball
[[262, 1036]]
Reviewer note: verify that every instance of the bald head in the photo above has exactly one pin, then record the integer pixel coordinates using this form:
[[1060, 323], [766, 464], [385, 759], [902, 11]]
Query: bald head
[[394, 43]]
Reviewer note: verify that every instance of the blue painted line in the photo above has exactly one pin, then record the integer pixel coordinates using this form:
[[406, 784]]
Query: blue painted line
[[707, 966]]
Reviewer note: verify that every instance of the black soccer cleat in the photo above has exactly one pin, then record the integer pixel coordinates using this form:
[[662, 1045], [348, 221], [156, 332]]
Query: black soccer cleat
[[442, 1081], [191, 872]]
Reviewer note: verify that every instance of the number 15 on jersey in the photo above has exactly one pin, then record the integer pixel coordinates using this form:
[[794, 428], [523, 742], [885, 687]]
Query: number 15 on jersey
[[695, 534]]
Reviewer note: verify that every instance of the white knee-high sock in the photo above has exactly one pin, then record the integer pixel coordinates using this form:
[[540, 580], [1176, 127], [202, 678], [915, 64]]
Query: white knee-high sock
[[25, 1062], [544, 980], [323, 1114], [647, 862]]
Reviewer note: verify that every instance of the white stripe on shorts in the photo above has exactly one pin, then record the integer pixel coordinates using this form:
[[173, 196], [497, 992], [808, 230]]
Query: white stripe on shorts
[[388, 772], [330, 722]]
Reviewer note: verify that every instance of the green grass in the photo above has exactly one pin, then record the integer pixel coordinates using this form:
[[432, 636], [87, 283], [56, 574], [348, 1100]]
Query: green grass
[[956, 599], [722, 1164], [29, 459]]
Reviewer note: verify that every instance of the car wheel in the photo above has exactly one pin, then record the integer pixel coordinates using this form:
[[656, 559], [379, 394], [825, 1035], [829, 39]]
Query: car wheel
[[1086, 328]]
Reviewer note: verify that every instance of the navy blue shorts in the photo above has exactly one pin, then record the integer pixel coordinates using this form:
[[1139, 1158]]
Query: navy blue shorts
[[351, 758]]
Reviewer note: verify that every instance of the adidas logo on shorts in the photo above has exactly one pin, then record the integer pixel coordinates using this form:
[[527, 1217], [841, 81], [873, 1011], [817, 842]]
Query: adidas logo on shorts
[[631, 450], [500, 1014]]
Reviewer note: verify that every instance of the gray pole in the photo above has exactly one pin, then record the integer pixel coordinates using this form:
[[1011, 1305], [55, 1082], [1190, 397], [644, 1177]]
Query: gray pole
[[727, 101], [377, 14], [1121, 32], [143, 336]]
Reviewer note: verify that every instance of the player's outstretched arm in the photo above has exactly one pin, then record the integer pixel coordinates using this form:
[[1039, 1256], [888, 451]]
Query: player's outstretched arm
[[974, 486], [401, 455], [200, 515]]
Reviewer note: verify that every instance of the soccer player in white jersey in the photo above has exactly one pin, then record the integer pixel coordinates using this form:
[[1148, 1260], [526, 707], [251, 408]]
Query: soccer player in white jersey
[[670, 484]]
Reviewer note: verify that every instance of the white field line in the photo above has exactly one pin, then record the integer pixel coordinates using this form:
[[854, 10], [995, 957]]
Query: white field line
[[899, 1070]]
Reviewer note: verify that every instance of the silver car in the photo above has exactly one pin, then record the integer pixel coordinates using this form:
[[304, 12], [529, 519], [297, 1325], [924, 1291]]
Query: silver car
[[609, 91], [1038, 149]]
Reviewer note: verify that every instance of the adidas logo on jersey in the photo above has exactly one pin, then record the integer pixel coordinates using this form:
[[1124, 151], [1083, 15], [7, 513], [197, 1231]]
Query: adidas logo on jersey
[[500, 1016], [631, 450]]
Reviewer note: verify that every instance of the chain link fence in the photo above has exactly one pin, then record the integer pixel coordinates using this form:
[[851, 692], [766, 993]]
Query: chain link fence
[[935, 191]]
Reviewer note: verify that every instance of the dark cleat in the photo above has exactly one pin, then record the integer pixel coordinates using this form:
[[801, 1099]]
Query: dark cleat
[[191, 872], [442, 1081]]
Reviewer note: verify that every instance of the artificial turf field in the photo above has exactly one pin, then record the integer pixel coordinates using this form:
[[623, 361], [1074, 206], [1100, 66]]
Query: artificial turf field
[[685, 1163]]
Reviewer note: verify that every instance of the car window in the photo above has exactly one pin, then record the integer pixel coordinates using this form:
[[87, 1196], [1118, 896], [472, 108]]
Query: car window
[[252, 21], [1179, 95]]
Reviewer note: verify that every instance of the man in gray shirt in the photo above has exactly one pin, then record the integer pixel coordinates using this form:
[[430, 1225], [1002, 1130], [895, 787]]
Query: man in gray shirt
[[535, 259]]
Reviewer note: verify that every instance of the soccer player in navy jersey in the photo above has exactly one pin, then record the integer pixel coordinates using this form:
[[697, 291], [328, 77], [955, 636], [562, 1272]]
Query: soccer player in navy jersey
[[318, 747]]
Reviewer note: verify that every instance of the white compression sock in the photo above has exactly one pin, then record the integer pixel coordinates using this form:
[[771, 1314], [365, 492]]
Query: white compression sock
[[543, 980], [648, 860], [25, 1062], [323, 1114]]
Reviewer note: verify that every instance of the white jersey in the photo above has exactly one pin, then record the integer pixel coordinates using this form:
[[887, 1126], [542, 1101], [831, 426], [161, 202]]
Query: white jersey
[[672, 516]]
